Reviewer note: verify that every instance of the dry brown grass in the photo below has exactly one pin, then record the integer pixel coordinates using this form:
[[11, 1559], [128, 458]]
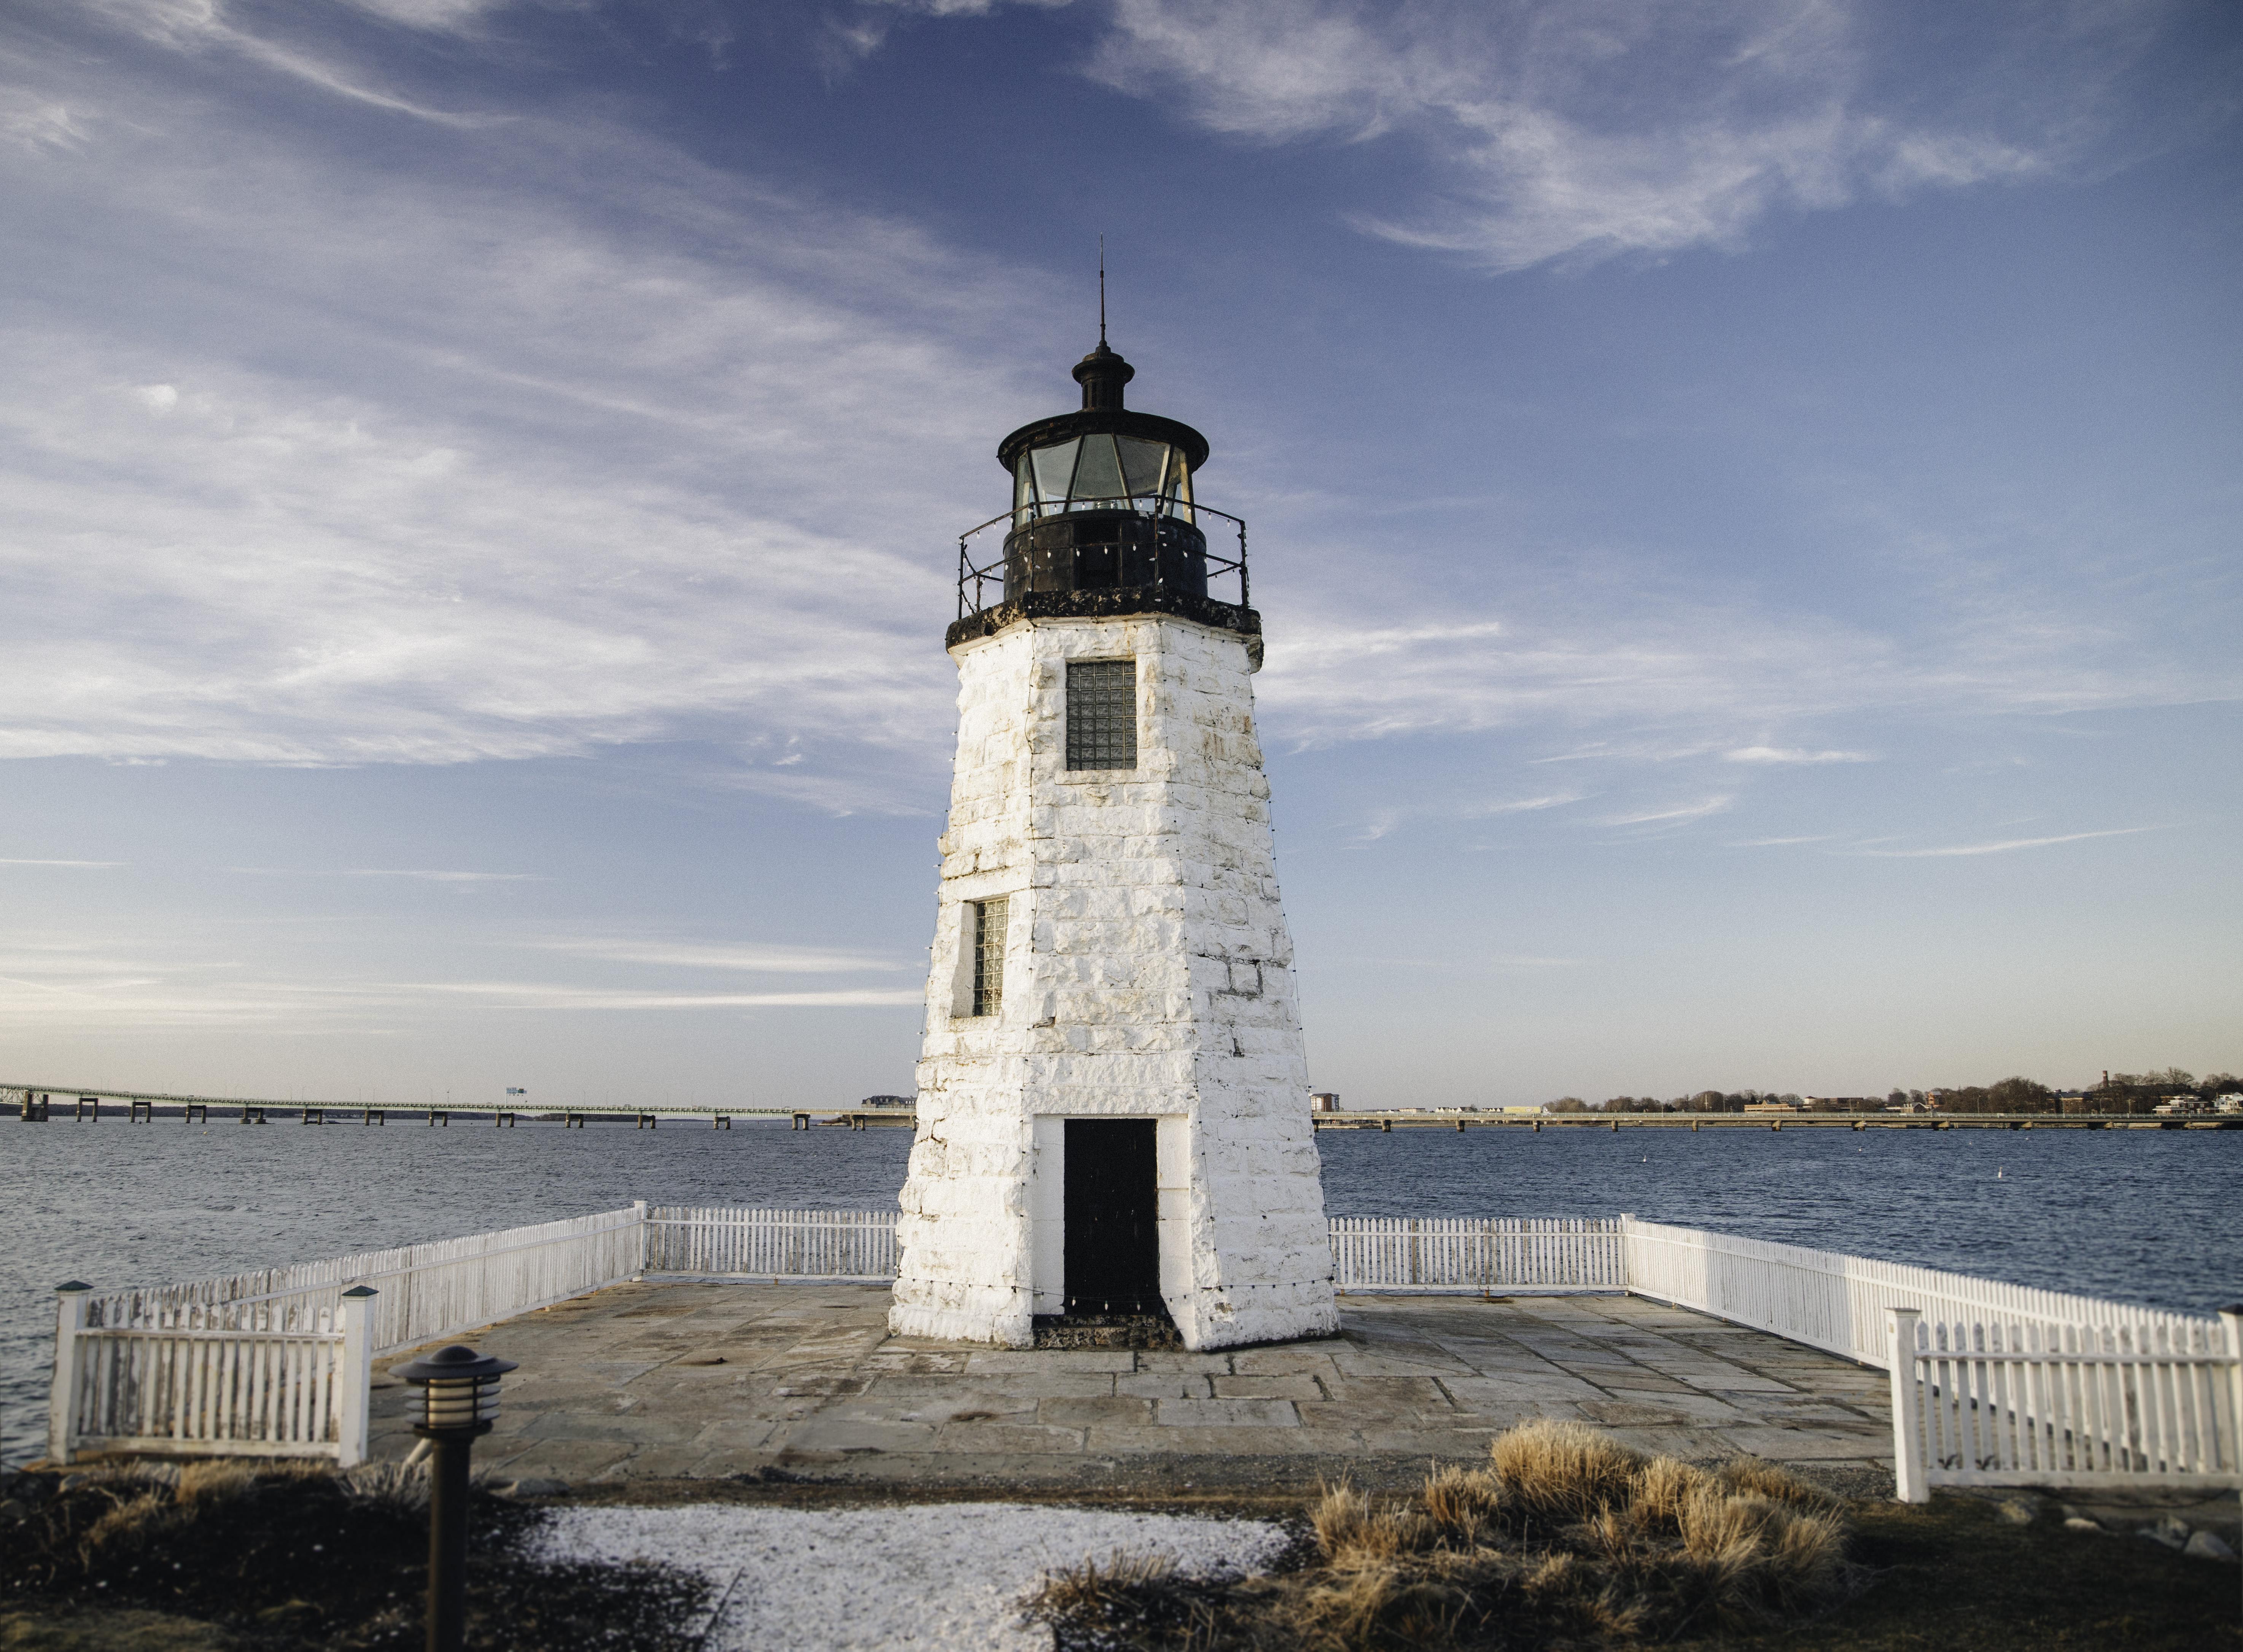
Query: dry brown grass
[[1567, 1538]]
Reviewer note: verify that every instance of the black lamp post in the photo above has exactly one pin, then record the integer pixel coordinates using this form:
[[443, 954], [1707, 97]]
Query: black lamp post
[[459, 1398]]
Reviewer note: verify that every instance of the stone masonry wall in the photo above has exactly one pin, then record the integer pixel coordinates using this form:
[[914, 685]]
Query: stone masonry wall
[[1148, 972]]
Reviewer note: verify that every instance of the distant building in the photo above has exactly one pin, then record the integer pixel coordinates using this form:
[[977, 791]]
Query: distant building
[[1841, 1103], [2175, 1105], [887, 1100], [1770, 1106], [1323, 1101]]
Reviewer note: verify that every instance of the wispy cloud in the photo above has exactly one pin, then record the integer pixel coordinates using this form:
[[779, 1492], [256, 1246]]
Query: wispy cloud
[[1578, 130], [752, 959], [1677, 816], [1777, 843], [380, 872], [61, 863], [1520, 805], [448, 877], [155, 980], [579, 464], [207, 25], [1384, 821], [2005, 847], [541, 996], [1791, 754]]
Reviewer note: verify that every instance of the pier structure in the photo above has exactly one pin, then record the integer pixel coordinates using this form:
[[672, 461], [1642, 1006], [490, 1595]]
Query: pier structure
[[685, 1341]]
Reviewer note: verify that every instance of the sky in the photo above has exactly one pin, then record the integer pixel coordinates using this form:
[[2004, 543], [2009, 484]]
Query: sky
[[1745, 504]]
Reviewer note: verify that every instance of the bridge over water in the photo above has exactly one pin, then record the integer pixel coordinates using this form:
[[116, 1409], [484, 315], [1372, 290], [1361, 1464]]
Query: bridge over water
[[87, 1104], [40, 1103]]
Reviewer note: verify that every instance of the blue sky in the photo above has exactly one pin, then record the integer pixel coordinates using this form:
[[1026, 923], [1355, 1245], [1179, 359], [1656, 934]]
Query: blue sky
[[1745, 506]]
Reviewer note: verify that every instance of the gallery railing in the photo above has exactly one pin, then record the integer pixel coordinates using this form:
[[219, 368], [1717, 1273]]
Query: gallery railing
[[974, 577]]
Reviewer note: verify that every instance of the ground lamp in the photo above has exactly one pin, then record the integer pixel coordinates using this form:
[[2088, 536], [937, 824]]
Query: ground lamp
[[459, 1398]]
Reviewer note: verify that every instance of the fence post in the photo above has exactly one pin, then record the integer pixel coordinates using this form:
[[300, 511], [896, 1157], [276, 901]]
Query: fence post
[[69, 1352], [1908, 1471], [2231, 1318], [1626, 1251], [354, 1375], [645, 1239]]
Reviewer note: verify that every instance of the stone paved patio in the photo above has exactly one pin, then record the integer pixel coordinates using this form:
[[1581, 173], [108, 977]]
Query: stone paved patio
[[673, 1381]]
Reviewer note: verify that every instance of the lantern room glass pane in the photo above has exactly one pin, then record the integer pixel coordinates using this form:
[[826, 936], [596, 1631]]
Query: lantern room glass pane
[[1054, 465], [1140, 464], [1098, 475]]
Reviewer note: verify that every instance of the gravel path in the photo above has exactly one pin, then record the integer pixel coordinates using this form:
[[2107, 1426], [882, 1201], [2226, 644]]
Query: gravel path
[[928, 1575]]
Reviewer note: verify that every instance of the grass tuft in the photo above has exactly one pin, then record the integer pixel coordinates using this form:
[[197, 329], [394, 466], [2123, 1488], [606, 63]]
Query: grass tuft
[[1566, 1538]]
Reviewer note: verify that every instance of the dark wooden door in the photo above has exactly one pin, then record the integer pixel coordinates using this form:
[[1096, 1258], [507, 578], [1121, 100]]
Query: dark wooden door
[[1113, 1242]]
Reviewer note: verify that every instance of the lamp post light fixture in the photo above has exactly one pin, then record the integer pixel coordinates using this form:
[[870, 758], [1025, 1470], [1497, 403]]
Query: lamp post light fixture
[[459, 1400]]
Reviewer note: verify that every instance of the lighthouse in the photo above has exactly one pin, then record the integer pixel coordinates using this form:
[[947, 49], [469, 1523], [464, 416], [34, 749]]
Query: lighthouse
[[1113, 1095]]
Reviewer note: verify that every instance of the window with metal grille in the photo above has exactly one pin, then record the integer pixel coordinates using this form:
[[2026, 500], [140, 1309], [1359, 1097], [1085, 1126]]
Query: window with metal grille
[[989, 955], [1102, 714]]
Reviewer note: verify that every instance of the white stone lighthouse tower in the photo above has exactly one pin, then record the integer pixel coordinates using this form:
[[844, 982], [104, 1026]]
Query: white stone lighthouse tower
[[1113, 1114]]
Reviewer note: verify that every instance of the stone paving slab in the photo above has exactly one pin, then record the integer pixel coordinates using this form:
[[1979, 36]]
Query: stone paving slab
[[682, 1381]]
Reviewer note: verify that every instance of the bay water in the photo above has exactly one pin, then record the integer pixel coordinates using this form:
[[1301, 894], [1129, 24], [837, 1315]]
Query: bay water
[[2145, 1217]]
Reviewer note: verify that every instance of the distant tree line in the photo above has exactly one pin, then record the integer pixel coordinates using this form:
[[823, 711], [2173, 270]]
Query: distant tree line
[[1711, 1100], [2141, 1092], [2118, 1093], [2009, 1095]]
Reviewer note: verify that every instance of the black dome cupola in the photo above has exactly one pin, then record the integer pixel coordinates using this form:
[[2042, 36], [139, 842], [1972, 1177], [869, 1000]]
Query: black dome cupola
[[1128, 470], [1101, 374]]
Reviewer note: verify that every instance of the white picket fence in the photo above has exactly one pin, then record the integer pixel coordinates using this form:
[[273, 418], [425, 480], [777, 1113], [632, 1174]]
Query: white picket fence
[[1993, 1384], [256, 1364], [1435, 1254], [1838, 1303], [1990, 1404], [726, 1242]]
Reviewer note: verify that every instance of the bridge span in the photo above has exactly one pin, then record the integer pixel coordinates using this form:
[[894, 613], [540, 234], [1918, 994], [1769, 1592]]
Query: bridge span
[[40, 1103]]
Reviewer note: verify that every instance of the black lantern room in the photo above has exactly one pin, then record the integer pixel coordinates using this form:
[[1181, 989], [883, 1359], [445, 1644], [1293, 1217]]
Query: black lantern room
[[1103, 522], [1103, 496]]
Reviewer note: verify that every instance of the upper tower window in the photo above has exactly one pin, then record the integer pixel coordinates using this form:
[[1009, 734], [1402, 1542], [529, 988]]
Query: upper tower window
[[1102, 714]]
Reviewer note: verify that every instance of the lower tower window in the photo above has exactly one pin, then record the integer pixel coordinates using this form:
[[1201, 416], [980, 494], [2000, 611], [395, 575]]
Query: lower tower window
[[989, 955], [1102, 714]]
